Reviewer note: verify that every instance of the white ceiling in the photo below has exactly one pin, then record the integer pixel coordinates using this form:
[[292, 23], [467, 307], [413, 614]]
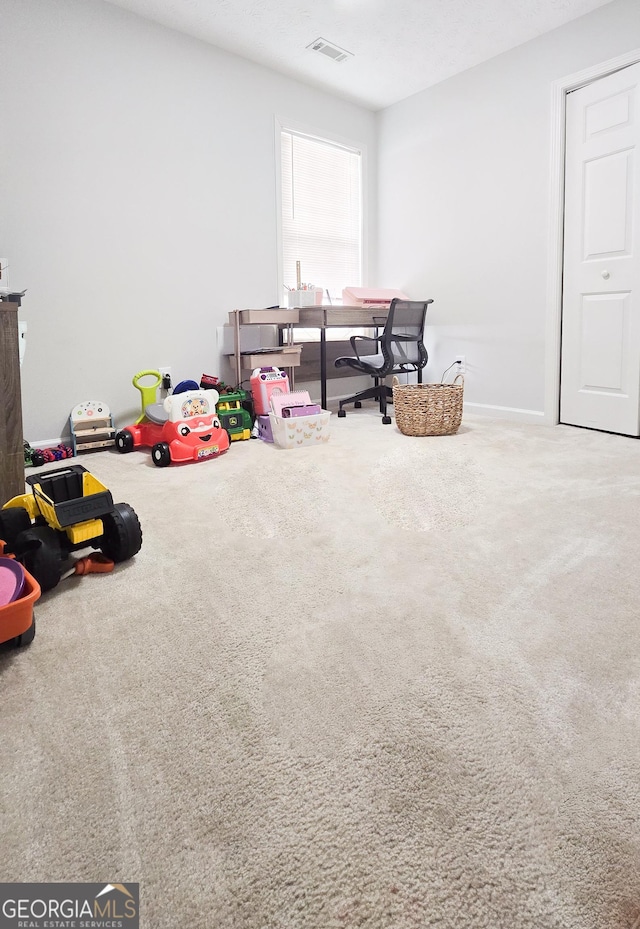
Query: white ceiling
[[399, 46]]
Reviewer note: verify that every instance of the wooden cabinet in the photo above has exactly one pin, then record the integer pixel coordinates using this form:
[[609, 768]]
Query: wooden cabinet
[[11, 437]]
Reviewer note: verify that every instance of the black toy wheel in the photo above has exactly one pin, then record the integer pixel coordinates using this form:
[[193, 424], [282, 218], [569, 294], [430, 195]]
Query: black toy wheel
[[161, 455], [386, 420], [13, 521], [40, 552], [341, 414], [26, 637], [124, 441], [122, 537], [357, 404]]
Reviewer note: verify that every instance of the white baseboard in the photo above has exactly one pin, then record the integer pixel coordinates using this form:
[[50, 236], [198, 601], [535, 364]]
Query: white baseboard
[[481, 409], [506, 412], [49, 443]]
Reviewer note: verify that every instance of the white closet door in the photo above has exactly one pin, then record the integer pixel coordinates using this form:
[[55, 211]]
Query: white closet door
[[600, 365]]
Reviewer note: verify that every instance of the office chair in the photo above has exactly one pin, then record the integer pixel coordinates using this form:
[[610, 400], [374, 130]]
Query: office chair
[[398, 349]]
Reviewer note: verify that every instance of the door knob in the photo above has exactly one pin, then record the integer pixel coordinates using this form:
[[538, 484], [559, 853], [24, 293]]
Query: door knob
[[606, 275]]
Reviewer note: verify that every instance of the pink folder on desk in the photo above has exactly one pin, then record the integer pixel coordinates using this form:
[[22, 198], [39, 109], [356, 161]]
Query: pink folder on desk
[[370, 296]]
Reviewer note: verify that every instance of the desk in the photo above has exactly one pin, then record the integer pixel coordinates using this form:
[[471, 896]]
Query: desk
[[336, 317], [305, 317]]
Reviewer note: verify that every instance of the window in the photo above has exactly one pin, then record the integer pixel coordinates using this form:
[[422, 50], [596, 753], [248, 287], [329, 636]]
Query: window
[[321, 214]]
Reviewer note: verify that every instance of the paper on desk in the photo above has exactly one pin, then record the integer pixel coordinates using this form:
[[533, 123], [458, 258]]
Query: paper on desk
[[280, 349]]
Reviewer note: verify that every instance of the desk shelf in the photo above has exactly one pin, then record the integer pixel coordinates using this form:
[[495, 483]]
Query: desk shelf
[[285, 356], [275, 317]]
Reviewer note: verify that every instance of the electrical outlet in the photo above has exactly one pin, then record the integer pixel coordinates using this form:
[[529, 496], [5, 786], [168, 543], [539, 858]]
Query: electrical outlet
[[460, 362], [164, 374]]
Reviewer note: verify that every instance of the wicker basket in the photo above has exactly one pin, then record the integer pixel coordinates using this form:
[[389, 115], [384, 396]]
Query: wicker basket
[[428, 409]]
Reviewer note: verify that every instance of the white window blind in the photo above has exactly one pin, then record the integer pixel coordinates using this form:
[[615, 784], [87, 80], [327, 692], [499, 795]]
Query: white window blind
[[321, 213]]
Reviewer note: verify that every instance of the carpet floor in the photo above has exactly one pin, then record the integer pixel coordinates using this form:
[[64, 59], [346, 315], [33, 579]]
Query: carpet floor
[[387, 682]]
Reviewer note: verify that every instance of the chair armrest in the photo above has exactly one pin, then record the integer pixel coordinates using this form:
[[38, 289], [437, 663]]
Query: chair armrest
[[363, 338]]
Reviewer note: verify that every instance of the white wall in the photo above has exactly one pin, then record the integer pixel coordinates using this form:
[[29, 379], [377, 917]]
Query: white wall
[[138, 196], [464, 172]]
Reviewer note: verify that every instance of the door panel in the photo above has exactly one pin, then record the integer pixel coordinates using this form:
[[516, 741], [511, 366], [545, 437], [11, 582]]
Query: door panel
[[612, 112], [600, 361], [608, 188], [604, 325]]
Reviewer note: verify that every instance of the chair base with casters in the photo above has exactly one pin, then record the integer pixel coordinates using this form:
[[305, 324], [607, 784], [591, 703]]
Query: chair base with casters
[[399, 349], [381, 393]]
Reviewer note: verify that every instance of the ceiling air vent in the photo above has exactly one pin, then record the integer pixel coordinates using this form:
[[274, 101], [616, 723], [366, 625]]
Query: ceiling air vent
[[331, 51]]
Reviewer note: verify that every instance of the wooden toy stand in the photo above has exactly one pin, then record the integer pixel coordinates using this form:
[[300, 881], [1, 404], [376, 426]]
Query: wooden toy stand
[[91, 426]]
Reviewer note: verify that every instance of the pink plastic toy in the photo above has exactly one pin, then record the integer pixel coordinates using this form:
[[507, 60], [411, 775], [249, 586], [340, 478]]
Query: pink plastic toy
[[264, 383]]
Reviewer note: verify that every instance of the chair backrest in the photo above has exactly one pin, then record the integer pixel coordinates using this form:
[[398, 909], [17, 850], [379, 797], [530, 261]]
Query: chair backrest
[[402, 340]]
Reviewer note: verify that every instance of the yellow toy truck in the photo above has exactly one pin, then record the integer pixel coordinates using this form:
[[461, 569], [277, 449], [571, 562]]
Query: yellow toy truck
[[68, 509]]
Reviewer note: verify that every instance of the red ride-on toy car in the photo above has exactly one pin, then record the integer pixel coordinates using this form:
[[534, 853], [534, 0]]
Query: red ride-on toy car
[[185, 427]]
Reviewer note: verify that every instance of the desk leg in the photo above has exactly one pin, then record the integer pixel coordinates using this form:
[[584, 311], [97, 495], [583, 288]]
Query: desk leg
[[323, 368], [292, 370], [236, 346]]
